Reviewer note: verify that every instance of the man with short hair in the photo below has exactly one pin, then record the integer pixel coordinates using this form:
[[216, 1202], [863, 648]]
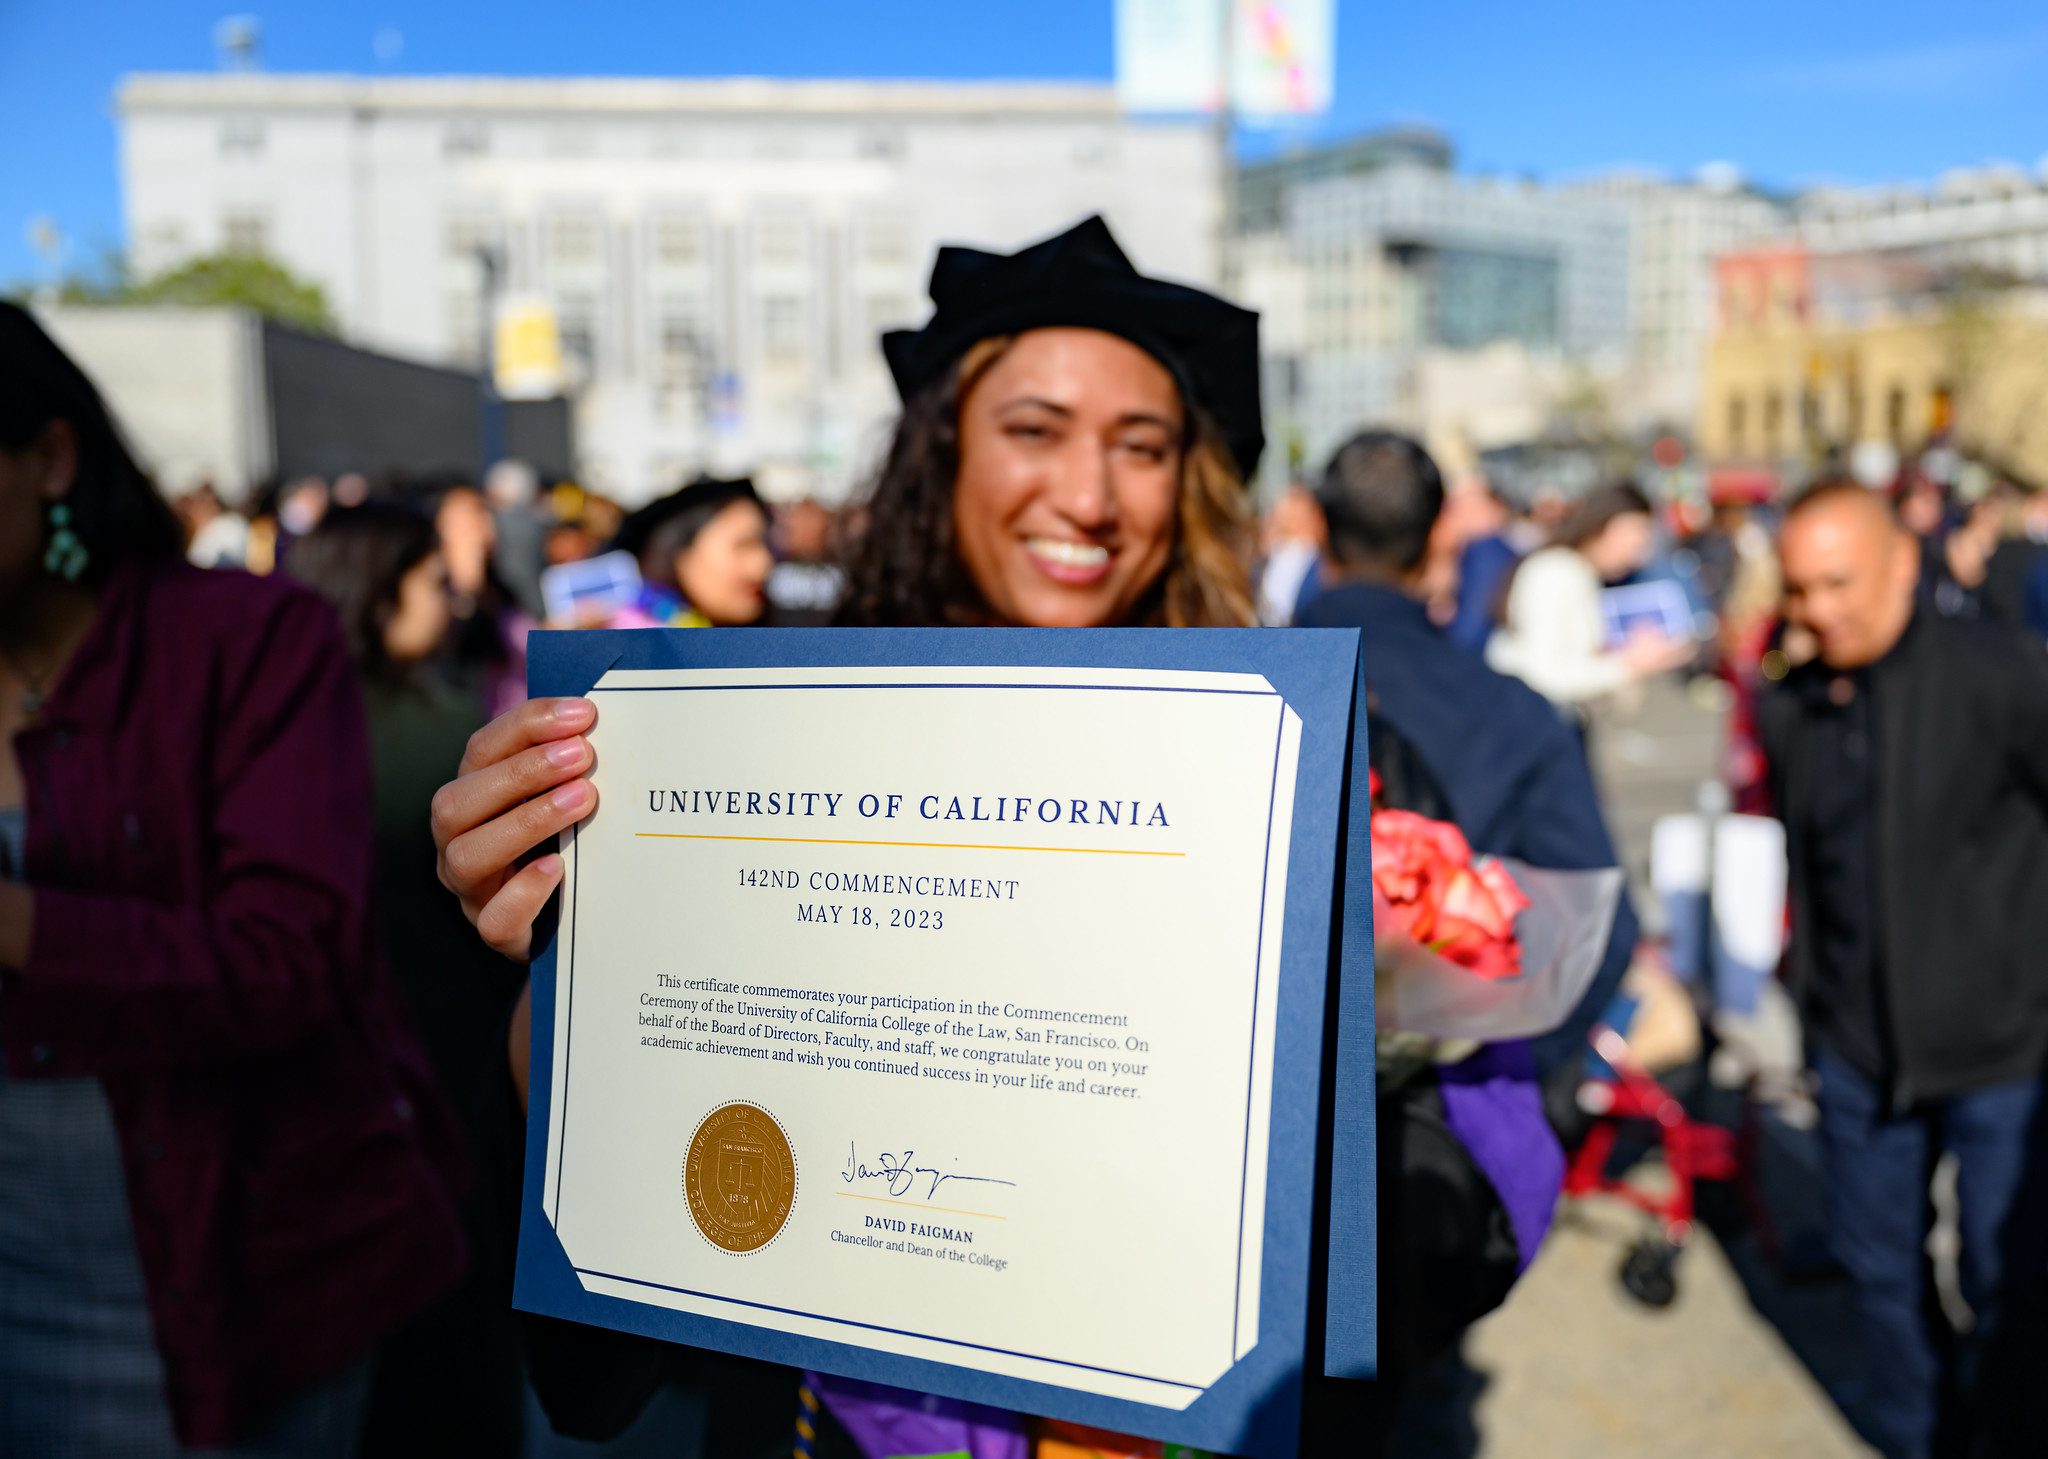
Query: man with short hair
[[1909, 762], [1513, 773], [1468, 1167]]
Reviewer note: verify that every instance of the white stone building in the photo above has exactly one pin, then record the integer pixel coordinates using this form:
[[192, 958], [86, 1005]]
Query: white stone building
[[720, 254], [1992, 218]]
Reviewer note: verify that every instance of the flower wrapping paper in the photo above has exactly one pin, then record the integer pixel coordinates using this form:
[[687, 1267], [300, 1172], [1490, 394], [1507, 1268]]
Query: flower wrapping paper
[[1562, 933]]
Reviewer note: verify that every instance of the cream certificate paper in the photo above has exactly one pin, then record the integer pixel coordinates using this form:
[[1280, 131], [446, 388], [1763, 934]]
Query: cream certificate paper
[[930, 1010]]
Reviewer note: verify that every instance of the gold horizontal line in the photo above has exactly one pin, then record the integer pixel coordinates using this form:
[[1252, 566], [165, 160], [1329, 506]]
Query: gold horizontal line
[[930, 845], [920, 1206]]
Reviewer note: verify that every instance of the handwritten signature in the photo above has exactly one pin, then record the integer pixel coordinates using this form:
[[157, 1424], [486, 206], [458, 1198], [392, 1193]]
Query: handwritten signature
[[900, 1177]]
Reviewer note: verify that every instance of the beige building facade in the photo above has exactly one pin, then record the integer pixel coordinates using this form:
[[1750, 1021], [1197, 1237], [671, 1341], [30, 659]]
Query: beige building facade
[[1829, 354]]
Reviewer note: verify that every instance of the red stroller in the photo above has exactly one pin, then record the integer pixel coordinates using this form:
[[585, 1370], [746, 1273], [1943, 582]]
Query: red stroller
[[1629, 1096]]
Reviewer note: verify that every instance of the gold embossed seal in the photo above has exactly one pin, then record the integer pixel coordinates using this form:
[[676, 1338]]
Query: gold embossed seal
[[739, 1178]]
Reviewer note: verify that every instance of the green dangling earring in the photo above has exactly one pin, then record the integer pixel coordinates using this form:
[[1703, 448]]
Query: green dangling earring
[[65, 557]]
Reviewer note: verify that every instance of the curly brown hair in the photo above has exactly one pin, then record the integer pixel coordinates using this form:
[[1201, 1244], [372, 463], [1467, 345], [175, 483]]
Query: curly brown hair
[[903, 569]]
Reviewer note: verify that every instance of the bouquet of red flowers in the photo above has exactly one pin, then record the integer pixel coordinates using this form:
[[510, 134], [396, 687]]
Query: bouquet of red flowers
[[1472, 949], [1428, 888]]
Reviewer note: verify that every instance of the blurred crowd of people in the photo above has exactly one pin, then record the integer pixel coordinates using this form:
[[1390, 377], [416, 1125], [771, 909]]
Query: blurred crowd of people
[[1518, 581], [709, 553], [1878, 652], [255, 1121]]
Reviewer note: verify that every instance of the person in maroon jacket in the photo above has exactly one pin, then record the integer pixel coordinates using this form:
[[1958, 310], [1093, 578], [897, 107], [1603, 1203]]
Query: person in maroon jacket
[[222, 1176]]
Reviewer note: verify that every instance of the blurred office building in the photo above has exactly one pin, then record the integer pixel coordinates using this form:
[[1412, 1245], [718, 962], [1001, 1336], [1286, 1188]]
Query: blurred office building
[[715, 257], [1466, 307], [1677, 229]]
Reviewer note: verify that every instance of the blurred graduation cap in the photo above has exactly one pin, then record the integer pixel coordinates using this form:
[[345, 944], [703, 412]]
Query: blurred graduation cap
[[702, 499]]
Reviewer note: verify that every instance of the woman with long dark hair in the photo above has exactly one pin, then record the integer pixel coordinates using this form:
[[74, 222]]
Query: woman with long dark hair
[[380, 567], [219, 1153], [449, 1380], [1071, 453], [1043, 473]]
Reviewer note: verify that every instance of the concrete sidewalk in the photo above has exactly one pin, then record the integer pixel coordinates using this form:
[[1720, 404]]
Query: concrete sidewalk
[[1572, 1367]]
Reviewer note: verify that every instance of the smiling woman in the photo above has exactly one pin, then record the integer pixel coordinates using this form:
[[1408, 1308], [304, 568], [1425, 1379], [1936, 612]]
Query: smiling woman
[[1061, 482], [1063, 506], [1072, 452]]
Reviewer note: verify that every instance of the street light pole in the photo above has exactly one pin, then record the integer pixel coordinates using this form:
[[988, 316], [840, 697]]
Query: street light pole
[[1226, 150], [490, 405]]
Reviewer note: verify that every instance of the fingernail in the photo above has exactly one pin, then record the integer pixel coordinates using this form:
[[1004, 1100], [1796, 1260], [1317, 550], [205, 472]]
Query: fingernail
[[574, 711], [573, 796], [549, 866], [566, 752]]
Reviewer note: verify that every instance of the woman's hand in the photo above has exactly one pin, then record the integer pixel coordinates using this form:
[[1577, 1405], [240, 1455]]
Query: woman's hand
[[1650, 653], [521, 783]]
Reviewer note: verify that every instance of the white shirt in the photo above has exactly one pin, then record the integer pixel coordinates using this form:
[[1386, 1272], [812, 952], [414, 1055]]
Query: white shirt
[[1555, 637]]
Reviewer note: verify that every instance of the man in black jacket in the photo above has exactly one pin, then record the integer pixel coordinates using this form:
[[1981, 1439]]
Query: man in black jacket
[[1910, 765]]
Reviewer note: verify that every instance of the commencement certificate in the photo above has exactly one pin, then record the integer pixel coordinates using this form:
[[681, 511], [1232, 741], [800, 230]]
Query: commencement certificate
[[932, 1010]]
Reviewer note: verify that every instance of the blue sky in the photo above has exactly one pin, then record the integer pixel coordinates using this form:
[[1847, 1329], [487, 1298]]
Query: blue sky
[[1794, 91]]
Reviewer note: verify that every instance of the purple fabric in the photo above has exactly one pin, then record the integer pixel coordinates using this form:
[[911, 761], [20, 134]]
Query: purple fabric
[[890, 1422], [1492, 1105], [199, 846]]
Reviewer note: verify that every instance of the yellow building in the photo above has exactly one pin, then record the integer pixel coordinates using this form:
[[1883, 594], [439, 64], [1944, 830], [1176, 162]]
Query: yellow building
[[1814, 354]]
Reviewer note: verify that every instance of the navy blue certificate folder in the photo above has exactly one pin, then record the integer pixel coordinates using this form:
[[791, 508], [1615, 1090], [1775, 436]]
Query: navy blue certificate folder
[[1311, 1244]]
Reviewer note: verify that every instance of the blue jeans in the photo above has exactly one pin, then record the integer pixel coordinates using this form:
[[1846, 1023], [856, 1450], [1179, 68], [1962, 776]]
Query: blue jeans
[[1877, 1165]]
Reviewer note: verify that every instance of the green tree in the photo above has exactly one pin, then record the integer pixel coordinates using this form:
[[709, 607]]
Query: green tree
[[250, 280]]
